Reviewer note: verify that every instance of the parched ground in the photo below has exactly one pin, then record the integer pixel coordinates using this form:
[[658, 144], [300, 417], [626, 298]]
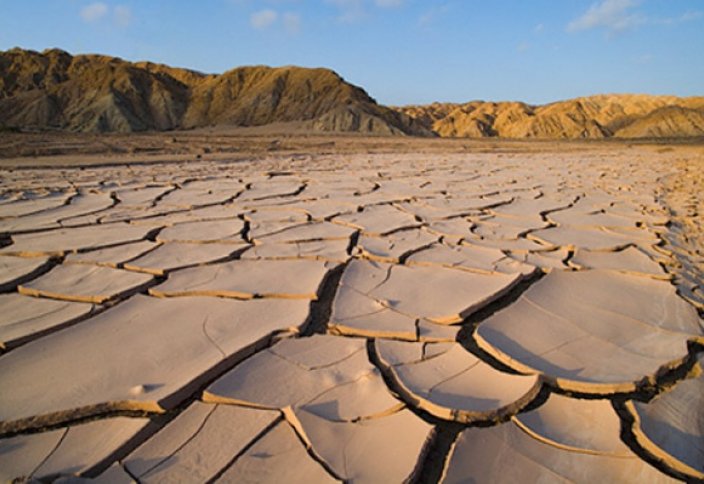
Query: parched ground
[[487, 315]]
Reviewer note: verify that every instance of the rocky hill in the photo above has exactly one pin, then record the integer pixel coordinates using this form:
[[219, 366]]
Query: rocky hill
[[93, 93], [603, 116]]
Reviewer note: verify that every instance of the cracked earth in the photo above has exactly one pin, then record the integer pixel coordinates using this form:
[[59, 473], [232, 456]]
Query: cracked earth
[[357, 318]]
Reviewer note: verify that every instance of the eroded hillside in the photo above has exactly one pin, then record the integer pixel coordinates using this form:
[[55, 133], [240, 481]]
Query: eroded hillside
[[602, 116], [93, 93]]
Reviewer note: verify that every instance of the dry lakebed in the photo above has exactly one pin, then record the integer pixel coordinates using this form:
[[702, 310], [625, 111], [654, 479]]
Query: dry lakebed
[[356, 317]]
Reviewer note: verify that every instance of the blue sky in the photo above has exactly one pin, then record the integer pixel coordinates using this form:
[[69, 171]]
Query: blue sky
[[400, 51]]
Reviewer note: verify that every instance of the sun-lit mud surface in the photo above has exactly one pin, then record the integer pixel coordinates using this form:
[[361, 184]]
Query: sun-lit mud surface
[[366, 318]]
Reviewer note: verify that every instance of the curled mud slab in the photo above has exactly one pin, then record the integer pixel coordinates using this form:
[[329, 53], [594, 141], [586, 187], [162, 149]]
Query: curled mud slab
[[595, 332], [452, 384], [671, 426]]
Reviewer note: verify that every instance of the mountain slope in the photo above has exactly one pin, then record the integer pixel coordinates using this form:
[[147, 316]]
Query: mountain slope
[[94, 93], [666, 122], [602, 116]]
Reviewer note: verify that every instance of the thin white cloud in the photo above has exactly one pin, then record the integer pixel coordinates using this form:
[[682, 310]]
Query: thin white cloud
[[685, 17], [643, 59], [263, 18], [94, 12], [431, 15], [538, 28], [292, 23], [350, 11], [523, 47], [612, 15], [619, 15], [122, 15], [388, 3], [345, 4], [688, 16]]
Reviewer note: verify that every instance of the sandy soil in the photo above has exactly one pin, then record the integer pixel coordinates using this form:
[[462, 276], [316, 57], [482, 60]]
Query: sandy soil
[[349, 309], [227, 144]]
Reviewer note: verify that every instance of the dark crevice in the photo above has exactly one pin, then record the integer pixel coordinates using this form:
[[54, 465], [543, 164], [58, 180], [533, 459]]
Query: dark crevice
[[5, 240], [174, 404], [321, 308], [374, 188], [404, 257], [18, 342], [504, 301], [436, 454], [465, 336], [115, 202], [628, 437], [182, 445], [246, 230], [247, 187], [391, 385], [570, 256], [539, 399], [121, 265], [141, 289], [300, 190], [400, 230], [354, 240], [48, 456], [281, 195], [310, 451], [11, 286], [129, 473], [153, 234], [647, 388], [80, 416], [331, 217], [59, 223], [278, 421], [234, 255], [159, 197], [123, 451]]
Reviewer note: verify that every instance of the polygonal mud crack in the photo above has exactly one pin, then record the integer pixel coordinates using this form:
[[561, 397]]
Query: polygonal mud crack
[[411, 247]]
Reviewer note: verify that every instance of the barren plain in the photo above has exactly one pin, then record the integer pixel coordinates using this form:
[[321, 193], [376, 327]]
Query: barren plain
[[184, 307]]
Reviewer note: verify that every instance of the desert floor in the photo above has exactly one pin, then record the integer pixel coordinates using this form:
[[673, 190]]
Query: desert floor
[[312, 309]]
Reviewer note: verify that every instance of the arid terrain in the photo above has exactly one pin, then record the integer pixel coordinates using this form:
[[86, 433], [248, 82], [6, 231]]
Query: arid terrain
[[54, 90], [240, 306]]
